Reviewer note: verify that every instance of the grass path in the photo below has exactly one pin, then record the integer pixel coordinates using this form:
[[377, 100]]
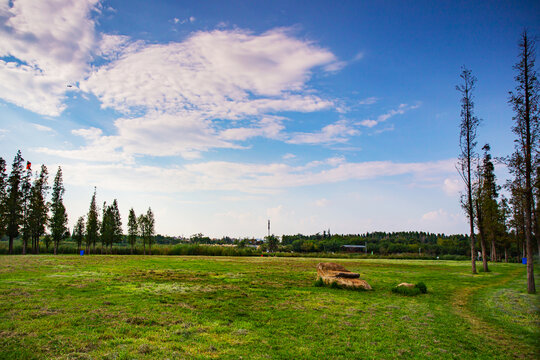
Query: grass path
[[463, 306]]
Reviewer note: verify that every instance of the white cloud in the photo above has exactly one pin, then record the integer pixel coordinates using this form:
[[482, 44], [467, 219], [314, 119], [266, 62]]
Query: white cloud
[[52, 44], [185, 91], [269, 127], [402, 109], [243, 177], [43, 128], [451, 186], [211, 72], [339, 132], [368, 101], [321, 202], [288, 156]]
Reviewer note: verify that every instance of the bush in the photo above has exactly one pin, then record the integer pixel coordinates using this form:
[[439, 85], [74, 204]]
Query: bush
[[422, 287], [405, 290], [419, 288]]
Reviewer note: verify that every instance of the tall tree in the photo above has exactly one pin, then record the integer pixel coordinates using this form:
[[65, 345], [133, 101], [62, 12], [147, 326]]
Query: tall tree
[[132, 229], [479, 213], [3, 196], [117, 223], [14, 201], [39, 208], [493, 227], [524, 101], [59, 219], [467, 144], [150, 231], [78, 232], [26, 190], [106, 227], [92, 225], [141, 221]]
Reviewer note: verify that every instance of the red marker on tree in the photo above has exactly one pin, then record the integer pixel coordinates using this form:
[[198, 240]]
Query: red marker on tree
[[28, 165]]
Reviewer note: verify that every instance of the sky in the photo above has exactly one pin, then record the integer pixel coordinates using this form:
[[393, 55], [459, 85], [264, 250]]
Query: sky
[[220, 115]]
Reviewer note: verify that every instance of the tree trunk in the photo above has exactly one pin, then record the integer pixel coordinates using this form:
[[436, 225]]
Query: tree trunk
[[55, 247], [10, 245], [505, 254], [144, 248], [149, 249], [483, 248], [131, 252], [24, 246]]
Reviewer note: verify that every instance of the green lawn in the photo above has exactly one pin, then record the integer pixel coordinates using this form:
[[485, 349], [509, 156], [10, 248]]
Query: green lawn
[[135, 307]]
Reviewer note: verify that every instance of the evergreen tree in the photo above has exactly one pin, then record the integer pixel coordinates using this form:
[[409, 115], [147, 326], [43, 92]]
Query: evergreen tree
[[92, 225], [59, 219], [3, 197], [467, 144], [132, 229], [106, 227], [39, 208], [525, 103], [14, 201], [26, 190], [117, 223], [78, 233], [141, 222], [150, 231], [493, 227]]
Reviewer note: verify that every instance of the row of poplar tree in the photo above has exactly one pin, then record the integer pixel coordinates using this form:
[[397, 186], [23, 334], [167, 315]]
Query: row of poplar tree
[[25, 212], [519, 216]]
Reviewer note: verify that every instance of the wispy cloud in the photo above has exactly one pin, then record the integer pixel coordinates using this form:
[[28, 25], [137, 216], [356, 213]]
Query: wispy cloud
[[368, 101], [402, 109], [246, 177], [338, 132], [43, 128]]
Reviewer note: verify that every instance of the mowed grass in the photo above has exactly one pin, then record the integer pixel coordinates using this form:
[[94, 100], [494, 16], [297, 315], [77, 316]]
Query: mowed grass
[[136, 307]]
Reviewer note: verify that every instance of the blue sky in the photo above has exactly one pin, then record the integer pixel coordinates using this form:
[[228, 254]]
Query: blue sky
[[221, 115]]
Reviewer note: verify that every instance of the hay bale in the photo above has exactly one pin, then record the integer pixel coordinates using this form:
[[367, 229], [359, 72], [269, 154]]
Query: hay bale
[[332, 273]]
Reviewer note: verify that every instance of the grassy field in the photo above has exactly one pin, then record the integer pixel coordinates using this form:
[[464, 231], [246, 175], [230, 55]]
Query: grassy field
[[135, 307]]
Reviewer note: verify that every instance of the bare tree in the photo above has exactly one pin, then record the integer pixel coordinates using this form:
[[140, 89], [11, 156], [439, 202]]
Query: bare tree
[[467, 156]]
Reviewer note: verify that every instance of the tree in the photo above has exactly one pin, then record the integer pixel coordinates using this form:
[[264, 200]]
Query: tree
[[26, 191], [117, 223], [106, 228], [59, 219], [14, 201], [493, 227], [467, 144], [272, 242], [39, 208], [92, 225], [78, 232], [3, 196], [141, 221], [150, 231], [132, 229], [524, 101]]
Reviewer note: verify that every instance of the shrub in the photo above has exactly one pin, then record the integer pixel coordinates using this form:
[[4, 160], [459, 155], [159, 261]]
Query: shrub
[[319, 282], [419, 288], [422, 287], [405, 290]]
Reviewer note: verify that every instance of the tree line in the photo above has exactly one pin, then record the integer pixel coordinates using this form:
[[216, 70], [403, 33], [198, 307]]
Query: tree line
[[26, 213], [496, 222]]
